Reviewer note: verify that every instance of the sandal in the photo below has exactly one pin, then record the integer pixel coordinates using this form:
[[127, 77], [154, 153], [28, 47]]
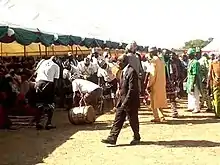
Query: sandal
[[162, 119], [155, 120]]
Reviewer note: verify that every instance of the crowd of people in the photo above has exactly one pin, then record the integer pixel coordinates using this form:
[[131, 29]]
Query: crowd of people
[[167, 76], [31, 85]]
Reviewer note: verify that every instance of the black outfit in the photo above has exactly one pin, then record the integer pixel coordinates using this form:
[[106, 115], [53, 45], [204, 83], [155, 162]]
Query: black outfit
[[128, 104], [45, 99]]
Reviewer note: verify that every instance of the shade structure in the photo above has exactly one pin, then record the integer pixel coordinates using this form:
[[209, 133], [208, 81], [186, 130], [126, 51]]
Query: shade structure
[[36, 49]]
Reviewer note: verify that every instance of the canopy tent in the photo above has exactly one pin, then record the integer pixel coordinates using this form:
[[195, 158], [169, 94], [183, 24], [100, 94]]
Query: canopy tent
[[43, 28], [214, 46], [58, 43]]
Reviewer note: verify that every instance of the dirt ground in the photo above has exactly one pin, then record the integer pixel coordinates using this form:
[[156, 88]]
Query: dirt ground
[[193, 139]]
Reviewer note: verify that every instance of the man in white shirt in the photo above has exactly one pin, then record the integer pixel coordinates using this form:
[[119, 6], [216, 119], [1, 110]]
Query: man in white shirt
[[105, 73], [87, 69], [47, 74], [89, 90]]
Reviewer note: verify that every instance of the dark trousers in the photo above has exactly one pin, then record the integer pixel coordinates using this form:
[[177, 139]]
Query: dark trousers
[[120, 117], [44, 97]]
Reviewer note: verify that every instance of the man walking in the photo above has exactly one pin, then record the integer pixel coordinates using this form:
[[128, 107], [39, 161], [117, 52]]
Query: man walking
[[128, 103]]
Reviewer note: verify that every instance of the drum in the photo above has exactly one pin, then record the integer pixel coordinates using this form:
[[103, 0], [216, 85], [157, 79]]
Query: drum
[[82, 115]]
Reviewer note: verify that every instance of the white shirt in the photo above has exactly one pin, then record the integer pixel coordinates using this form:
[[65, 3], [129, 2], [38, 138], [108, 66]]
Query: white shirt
[[95, 64], [106, 74], [86, 70], [66, 74], [48, 71], [84, 86], [125, 69], [146, 66]]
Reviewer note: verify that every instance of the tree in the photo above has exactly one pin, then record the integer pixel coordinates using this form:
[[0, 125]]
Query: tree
[[197, 43]]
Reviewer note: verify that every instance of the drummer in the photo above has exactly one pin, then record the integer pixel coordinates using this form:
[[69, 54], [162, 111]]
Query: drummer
[[90, 91], [48, 73], [105, 72], [86, 68]]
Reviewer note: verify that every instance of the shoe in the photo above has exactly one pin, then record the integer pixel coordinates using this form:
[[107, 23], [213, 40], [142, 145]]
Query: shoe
[[162, 119], [39, 127], [155, 120], [135, 142], [188, 110], [194, 112], [113, 110], [175, 116], [109, 141], [209, 110], [50, 126]]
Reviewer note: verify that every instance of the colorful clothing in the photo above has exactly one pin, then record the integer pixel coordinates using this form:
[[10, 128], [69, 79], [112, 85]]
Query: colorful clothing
[[171, 79], [193, 85], [193, 76], [171, 84], [214, 78], [204, 69], [157, 85]]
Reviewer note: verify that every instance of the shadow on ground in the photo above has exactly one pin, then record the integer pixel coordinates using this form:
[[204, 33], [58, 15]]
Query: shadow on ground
[[183, 122], [26, 146], [176, 143]]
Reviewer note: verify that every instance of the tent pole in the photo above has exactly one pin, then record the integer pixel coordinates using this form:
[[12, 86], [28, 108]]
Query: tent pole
[[45, 51], [76, 51], [25, 53], [40, 50], [1, 49], [72, 49], [80, 50], [53, 50]]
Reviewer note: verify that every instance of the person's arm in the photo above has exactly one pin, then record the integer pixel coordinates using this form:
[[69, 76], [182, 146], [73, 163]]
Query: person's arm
[[194, 74], [152, 75], [132, 88], [210, 78], [56, 76]]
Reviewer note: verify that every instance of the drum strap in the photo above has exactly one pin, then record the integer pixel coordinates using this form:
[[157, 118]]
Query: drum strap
[[82, 99]]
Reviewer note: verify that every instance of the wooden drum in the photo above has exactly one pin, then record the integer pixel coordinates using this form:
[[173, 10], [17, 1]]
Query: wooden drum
[[82, 115]]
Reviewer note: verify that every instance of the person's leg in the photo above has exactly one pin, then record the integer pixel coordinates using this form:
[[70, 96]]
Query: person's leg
[[173, 106], [50, 90], [93, 98], [134, 123], [196, 100], [116, 127], [216, 94], [207, 99], [191, 101], [38, 115]]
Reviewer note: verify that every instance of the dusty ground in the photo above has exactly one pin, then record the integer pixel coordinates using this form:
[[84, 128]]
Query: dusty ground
[[189, 140]]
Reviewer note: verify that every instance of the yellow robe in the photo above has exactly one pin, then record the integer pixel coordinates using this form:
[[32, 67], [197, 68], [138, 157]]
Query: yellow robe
[[157, 84]]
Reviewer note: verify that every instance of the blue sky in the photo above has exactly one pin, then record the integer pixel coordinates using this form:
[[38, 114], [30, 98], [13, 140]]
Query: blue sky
[[164, 23]]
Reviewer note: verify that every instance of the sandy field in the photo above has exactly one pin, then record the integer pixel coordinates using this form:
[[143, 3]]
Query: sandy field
[[192, 139]]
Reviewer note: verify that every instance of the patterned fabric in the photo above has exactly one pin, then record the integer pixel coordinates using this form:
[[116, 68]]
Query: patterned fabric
[[216, 94], [193, 76], [204, 67], [171, 80], [214, 73]]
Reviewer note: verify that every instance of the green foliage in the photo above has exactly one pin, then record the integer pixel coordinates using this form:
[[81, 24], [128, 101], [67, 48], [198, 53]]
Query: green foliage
[[197, 43]]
